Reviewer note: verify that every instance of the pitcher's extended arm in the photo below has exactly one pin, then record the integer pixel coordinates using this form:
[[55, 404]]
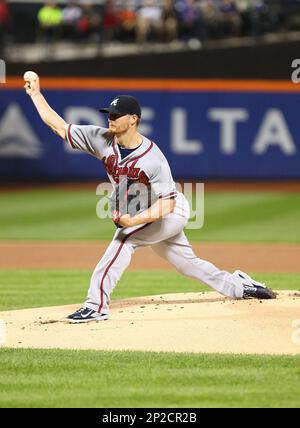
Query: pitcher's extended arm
[[47, 114]]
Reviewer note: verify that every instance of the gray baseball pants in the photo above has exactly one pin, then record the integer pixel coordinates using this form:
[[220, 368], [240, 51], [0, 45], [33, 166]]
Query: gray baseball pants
[[167, 239]]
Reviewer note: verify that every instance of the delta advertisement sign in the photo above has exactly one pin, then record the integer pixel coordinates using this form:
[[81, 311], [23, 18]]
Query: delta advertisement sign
[[211, 133]]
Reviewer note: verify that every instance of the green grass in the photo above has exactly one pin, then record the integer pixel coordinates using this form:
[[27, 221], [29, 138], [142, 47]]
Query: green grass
[[250, 217], [71, 215], [51, 215], [38, 288], [56, 378]]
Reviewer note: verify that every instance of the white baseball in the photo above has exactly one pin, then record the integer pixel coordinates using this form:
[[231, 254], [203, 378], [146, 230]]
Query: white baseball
[[30, 75]]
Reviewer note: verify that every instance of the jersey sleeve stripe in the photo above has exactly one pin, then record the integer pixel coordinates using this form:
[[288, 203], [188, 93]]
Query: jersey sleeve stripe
[[69, 137], [169, 195], [115, 152], [112, 262]]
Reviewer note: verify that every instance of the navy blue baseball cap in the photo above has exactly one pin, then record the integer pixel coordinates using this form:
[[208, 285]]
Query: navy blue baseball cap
[[123, 104]]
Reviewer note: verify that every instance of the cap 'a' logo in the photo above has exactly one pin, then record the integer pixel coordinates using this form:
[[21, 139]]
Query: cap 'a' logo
[[115, 102]]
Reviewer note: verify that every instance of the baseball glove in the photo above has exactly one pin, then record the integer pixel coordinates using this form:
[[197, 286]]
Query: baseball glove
[[130, 197]]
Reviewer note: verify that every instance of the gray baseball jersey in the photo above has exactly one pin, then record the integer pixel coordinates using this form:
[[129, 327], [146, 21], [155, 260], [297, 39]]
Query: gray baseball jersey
[[146, 164]]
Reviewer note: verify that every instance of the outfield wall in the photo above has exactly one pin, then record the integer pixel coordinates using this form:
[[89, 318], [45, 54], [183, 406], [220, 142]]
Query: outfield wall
[[206, 128]]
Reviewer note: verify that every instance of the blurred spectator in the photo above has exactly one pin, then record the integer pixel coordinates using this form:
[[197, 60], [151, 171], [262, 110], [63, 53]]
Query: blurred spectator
[[71, 15], [191, 23], [169, 21], [89, 24], [243, 7], [258, 16], [50, 19], [111, 21], [211, 19], [4, 22], [230, 18], [149, 22], [289, 13], [127, 21], [264, 17]]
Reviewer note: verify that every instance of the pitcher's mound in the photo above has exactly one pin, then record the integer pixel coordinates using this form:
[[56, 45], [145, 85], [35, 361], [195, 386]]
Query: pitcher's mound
[[191, 322]]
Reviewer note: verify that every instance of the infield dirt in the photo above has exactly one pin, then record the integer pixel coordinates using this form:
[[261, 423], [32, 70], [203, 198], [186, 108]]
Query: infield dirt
[[249, 257]]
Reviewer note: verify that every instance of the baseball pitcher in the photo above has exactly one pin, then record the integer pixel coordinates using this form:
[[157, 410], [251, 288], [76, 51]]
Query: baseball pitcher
[[158, 213]]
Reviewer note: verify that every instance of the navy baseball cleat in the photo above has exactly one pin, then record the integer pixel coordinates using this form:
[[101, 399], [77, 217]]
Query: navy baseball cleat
[[254, 289], [86, 315]]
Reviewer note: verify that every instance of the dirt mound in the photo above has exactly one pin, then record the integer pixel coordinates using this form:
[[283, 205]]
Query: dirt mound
[[190, 322]]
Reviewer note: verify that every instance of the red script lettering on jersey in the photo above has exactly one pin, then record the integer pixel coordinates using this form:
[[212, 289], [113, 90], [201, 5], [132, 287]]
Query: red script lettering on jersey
[[117, 171]]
